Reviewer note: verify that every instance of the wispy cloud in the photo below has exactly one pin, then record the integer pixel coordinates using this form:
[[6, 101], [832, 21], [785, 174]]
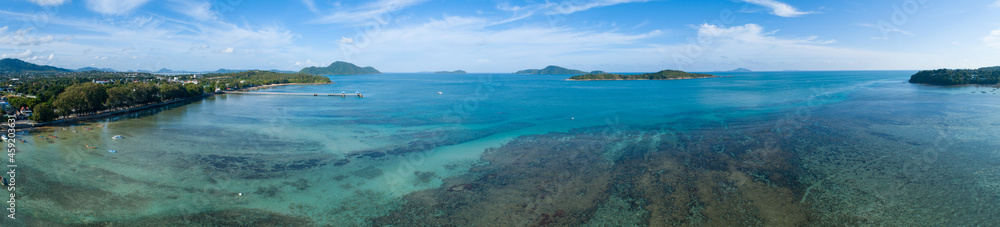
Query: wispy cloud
[[752, 33], [199, 10], [48, 2], [22, 38], [568, 7], [361, 13], [555, 8], [778, 8], [114, 7], [885, 29], [993, 39], [24, 54], [311, 5]]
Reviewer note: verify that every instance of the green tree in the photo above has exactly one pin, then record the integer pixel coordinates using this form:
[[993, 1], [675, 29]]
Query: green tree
[[81, 98], [118, 97], [43, 112], [172, 91]]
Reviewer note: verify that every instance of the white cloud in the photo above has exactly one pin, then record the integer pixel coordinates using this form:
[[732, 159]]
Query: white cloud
[[346, 40], [993, 39], [114, 7], [48, 2], [750, 33], [228, 50], [371, 11], [22, 38], [996, 4], [308, 63], [778, 8], [26, 53]]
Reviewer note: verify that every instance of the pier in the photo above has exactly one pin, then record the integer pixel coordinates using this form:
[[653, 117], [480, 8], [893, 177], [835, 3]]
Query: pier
[[302, 94]]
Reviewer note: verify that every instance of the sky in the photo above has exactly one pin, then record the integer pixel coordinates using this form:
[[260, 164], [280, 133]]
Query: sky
[[503, 36]]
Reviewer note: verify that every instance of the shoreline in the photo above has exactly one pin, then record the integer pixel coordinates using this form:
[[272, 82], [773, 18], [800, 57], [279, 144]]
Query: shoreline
[[69, 121]]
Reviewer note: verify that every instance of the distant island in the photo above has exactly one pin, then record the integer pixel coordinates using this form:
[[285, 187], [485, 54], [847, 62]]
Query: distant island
[[84, 69], [451, 72], [661, 75], [740, 70], [340, 68], [551, 70], [980, 76]]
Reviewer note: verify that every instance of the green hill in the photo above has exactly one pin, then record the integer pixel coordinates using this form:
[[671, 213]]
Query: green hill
[[661, 75], [16, 66], [340, 68], [84, 69], [984, 76], [551, 70], [451, 72]]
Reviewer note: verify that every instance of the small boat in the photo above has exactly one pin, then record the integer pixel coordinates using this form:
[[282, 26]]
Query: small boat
[[4, 137], [113, 151], [118, 137], [91, 147], [440, 93]]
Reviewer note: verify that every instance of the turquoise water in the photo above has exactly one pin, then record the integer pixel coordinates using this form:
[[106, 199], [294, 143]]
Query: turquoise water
[[763, 148]]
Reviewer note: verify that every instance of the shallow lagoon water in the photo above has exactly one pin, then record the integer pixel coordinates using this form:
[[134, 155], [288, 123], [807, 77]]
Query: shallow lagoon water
[[768, 148]]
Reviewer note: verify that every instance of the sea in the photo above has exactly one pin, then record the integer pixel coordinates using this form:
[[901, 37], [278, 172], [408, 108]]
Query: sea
[[744, 149]]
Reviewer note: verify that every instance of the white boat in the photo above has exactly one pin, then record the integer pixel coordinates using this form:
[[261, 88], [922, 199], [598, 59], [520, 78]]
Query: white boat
[[118, 137]]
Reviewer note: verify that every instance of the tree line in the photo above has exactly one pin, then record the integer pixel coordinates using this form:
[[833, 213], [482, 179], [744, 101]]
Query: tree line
[[983, 76], [67, 95]]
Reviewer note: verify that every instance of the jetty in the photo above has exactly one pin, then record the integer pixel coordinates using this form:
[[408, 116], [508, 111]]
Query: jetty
[[305, 94]]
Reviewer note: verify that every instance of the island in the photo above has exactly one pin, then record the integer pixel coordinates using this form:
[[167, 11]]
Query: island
[[551, 70], [740, 70], [340, 68], [946, 77], [661, 75], [84, 69], [451, 72]]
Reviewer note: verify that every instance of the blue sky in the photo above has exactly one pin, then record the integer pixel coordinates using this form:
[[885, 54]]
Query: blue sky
[[503, 36]]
